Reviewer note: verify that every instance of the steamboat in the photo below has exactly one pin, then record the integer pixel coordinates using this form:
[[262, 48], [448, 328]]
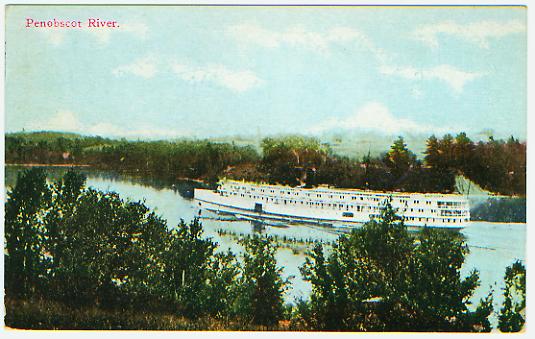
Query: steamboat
[[333, 207]]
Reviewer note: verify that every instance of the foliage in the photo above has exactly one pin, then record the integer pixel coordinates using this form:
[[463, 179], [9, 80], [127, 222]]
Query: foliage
[[83, 247], [399, 159], [196, 280], [24, 232], [183, 158], [77, 248], [104, 251], [286, 160], [380, 278], [496, 165], [260, 286], [512, 313]]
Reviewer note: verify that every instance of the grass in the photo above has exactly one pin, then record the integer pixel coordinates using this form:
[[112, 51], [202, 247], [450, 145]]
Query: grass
[[43, 314]]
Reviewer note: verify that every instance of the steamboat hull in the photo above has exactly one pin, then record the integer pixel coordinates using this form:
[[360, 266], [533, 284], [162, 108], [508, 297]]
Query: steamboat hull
[[350, 209]]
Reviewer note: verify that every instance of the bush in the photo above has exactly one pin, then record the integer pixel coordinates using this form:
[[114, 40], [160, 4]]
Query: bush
[[260, 286], [512, 315], [380, 278]]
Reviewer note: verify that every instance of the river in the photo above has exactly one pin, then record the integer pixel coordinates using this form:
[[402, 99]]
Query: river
[[493, 246]]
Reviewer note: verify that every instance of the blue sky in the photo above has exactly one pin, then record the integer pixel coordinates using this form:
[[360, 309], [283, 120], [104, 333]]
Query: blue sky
[[222, 71]]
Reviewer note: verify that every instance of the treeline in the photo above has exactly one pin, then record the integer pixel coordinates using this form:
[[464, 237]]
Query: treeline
[[496, 165], [200, 159], [98, 260]]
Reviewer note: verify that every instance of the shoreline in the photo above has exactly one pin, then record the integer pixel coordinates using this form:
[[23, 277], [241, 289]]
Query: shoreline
[[484, 197]]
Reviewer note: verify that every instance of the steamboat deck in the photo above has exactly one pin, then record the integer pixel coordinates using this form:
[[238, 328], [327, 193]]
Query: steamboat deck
[[337, 207]]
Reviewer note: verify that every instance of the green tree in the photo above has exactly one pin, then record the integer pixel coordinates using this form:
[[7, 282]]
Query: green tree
[[109, 250], [512, 313], [381, 278], [25, 210], [432, 152], [66, 192], [187, 264], [399, 159], [220, 291], [286, 160], [463, 149], [260, 285]]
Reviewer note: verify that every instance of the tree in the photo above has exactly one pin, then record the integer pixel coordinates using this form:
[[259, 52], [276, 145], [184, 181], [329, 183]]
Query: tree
[[221, 289], [329, 303], [432, 152], [399, 159], [104, 251], [24, 213], [512, 313], [463, 149], [260, 285], [439, 293], [187, 259], [381, 278], [66, 193], [286, 160]]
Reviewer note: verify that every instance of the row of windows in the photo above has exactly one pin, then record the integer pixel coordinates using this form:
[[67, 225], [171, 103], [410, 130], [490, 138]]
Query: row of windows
[[452, 212], [444, 220], [449, 203], [358, 208], [353, 197], [301, 202], [288, 190], [340, 206]]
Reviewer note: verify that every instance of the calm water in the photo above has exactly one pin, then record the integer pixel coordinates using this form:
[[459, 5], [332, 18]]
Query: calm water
[[493, 246]]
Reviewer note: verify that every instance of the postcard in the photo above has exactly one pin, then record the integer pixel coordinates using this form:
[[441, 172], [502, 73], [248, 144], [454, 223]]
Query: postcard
[[265, 168]]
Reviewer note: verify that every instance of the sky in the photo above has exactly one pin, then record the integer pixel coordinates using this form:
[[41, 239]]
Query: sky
[[201, 71]]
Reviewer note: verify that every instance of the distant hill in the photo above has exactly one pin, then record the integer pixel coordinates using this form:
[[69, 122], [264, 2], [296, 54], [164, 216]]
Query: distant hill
[[49, 135]]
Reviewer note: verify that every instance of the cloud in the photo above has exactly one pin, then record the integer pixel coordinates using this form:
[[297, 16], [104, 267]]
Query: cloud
[[144, 67], [375, 117], [235, 80], [103, 36], [53, 35], [298, 36], [452, 76], [63, 120], [478, 33], [137, 29], [145, 132], [67, 121]]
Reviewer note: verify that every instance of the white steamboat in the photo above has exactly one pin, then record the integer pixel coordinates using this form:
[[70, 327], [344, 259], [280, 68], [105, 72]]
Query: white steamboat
[[336, 207]]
